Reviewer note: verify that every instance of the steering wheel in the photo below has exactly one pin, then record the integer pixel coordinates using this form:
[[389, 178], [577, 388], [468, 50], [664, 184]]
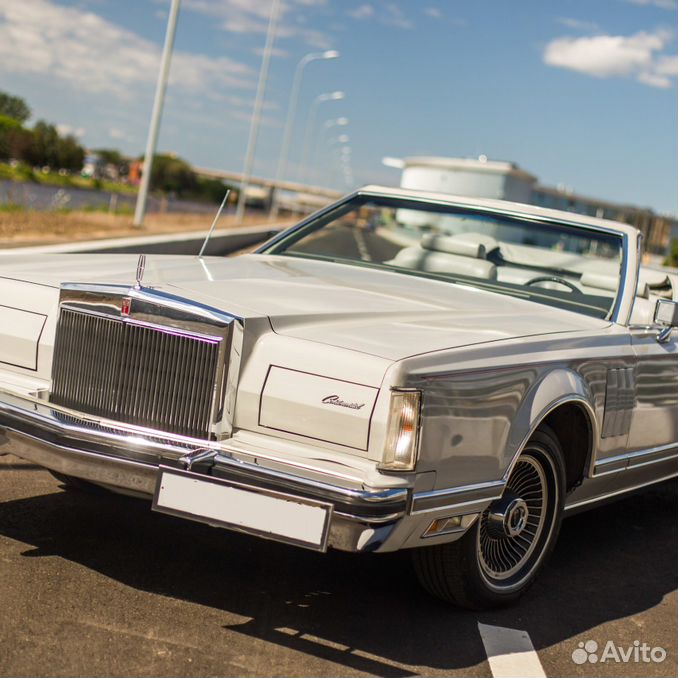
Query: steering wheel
[[556, 279]]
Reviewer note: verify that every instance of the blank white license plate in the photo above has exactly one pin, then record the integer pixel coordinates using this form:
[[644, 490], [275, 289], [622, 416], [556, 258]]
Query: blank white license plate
[[265, 513]]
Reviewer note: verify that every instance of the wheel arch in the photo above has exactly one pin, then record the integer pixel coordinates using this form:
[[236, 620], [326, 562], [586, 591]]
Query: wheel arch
[[562, 401]]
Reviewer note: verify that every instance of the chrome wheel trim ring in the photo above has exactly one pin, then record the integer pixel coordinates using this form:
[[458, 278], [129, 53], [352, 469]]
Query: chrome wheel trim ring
[[502, 559]]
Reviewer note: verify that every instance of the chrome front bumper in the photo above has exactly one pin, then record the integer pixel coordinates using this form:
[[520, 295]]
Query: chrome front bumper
[[130, 460]]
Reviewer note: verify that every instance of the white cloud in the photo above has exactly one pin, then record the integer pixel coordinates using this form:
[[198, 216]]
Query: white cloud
[[433, 12], [603, 56], [577, 24], [362, 12], [654, 79], [275, 52], [438, 15], [388, 14], [265, 120], [89, 53], [667, 65], [662, 4], [67, 130], [116, 133], [395, 16], [252, 16]]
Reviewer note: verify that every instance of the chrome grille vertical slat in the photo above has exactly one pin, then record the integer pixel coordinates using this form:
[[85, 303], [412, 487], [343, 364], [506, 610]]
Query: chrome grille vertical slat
[[194, 386], [150, 362], [146, 375], [201, 394], [208, 388], [190, 408], [182, 385]]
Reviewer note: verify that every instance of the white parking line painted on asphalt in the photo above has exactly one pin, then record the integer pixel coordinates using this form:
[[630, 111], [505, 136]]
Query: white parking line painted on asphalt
[[510, 652], [362, 245]]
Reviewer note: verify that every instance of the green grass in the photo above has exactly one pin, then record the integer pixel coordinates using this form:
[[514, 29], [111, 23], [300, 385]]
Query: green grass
[[11, 208]]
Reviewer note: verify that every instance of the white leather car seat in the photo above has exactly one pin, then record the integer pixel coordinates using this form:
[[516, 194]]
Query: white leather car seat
[[447, 254]]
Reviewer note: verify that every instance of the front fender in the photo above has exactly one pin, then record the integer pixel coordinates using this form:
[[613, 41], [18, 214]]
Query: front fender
[[554, 389], [475, 423]]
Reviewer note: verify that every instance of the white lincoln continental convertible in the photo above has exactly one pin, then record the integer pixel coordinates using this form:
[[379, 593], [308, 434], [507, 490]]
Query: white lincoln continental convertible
[[401, 370]]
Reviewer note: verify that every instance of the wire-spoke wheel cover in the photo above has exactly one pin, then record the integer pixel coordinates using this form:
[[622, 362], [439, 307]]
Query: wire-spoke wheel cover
[[511, 528]]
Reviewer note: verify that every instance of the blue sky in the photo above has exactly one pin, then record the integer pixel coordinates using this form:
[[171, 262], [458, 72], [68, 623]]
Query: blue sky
[[578, 92]]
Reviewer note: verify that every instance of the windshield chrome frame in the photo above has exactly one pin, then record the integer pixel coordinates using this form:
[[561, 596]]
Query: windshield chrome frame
[[622, 306]]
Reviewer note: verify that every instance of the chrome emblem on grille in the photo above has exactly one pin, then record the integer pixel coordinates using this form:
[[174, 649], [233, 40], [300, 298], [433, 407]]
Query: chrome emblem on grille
[[125, 306], [141, 267]]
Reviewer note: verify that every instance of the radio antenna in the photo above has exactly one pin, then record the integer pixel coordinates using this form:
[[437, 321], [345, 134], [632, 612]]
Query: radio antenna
[[214, 223]]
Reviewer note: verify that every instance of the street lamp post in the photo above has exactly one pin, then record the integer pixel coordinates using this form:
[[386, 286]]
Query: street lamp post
[[328, 124], [310, 127], [342, 122], [256, 113], [158, 102], [343, 157], [341, 139], [291, 116], [334, 157]]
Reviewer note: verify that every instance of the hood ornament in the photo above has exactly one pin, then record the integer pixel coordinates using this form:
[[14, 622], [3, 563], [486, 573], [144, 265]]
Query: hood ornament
[[141, 267]]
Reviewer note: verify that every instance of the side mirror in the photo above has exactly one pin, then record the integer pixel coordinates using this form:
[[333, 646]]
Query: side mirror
[[666, 314]]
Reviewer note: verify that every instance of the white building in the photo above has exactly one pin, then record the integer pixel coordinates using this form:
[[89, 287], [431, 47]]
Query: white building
[[483, 178], [480, 178]]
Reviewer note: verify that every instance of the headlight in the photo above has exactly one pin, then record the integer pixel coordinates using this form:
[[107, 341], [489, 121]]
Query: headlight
[[400, 451]]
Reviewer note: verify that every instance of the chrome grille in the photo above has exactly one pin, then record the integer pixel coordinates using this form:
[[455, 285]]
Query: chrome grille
[[139, 374]]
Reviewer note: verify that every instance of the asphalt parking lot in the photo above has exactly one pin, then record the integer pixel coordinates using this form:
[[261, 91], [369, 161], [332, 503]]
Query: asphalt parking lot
[[99, 585]]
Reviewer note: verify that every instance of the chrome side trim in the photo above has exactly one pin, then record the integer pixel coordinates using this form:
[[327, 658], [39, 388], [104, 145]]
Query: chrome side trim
[[624, 490], [456, 497], [630, 460]]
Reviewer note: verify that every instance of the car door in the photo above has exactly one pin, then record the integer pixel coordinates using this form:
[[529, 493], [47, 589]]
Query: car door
[[653, 432]]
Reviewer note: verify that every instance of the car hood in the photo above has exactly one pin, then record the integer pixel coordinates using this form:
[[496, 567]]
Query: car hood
[[388, 314]]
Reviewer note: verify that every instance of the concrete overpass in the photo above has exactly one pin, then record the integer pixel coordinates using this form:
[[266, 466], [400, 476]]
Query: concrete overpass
[[308, 195]]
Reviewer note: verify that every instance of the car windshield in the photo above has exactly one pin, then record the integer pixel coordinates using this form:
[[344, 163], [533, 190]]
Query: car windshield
[[560, 265]]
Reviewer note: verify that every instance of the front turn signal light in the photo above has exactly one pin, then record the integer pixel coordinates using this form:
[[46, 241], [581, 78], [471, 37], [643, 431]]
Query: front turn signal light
[[402, 436]]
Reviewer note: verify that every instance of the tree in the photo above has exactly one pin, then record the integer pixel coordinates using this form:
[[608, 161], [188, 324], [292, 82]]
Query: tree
[[211, 190], [45, 147], [8, 128], [111, 156], [14, 107], [672, 258], [172, 175], [70, 155], [38, 147]]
